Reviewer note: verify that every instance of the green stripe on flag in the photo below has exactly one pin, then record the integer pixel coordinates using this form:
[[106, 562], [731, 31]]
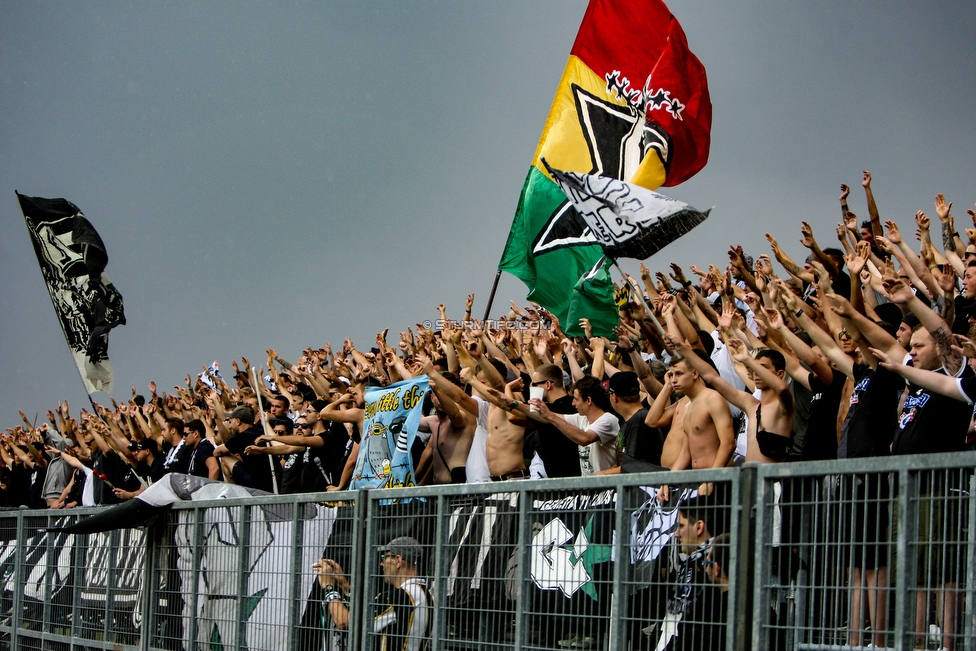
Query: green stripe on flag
[[551, 276]]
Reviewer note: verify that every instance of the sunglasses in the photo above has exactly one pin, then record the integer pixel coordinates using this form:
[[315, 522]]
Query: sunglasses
[[540, 383], [302, 425]]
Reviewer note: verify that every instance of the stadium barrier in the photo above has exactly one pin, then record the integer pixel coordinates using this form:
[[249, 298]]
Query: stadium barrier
[[577, 563]]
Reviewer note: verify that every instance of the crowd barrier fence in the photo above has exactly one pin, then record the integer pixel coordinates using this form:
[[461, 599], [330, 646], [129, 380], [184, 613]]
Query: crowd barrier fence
[[576, 563]]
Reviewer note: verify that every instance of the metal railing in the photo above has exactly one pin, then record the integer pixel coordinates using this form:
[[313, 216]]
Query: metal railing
[[582, 563]]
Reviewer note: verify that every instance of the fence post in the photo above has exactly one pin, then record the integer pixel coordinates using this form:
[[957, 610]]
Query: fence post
[[970, 593], [149, 583], [745, 623], [621, 568], [907, 530], [243, 564], [295, 600], [18, 596], [362, 542], [440, 543], [524, 542]]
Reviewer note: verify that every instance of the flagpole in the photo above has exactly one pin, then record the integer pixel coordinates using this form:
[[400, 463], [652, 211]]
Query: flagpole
[[640, 296], [257, 393], [491, 296]]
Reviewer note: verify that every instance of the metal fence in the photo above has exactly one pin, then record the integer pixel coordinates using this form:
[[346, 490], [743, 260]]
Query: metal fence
[[866, 552], [802, 556]]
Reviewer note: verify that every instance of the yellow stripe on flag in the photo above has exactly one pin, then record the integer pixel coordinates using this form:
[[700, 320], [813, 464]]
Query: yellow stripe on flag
[[563, 144]]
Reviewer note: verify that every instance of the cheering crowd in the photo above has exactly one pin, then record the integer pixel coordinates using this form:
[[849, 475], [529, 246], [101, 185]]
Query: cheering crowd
[[864, 349], [753, 364]]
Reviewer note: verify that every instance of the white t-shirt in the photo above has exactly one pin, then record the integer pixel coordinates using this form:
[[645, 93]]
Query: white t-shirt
[[602, 453], [476, 466]]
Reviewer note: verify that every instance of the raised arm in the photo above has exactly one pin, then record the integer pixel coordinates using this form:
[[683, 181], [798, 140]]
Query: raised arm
[[741, 399], [872, 206], [941, 333], [938, 382]]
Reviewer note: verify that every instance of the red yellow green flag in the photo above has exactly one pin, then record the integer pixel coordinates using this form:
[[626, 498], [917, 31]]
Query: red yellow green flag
[[633, 105]]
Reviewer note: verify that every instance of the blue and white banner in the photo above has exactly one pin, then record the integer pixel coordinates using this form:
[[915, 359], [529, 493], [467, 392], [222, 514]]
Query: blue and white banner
[[389, 431]]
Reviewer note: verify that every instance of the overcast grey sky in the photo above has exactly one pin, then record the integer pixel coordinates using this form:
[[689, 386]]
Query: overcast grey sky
[[283, 174]]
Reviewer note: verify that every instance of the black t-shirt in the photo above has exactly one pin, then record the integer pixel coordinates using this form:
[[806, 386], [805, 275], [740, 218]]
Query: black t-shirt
[[640, 442], [323, 466], [559, 453], [871, 421], [181, 458], [116, 471], [291, 473], [153, 472], [19, 483], [820, 441], [256, 464], [197, 464], [932, 422]]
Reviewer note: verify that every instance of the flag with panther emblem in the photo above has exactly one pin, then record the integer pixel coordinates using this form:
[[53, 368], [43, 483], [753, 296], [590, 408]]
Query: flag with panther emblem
[[632, 105]]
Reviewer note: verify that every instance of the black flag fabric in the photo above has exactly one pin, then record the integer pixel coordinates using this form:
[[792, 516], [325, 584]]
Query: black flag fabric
[[73, 259], [628, 221]]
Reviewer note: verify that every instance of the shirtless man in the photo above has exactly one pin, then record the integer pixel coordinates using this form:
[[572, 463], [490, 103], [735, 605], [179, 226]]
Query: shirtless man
[[452, 430], [772, 413], [706, 421], [662, 414], [505, 436], [506, 431]]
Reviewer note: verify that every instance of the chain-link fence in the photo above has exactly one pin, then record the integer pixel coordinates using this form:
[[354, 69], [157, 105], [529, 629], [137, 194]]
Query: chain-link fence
[[802, 556]]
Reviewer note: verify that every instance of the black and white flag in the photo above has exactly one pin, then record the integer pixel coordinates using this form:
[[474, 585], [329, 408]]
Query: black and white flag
[[627, 220], [72, 258]]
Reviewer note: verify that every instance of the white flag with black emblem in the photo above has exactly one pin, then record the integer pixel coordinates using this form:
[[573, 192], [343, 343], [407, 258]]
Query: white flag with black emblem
[[627, 220]]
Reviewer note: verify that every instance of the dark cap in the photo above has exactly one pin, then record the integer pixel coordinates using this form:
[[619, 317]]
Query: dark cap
[[144, 444], [244, 414], [910, 320], [625, 384], [406, 548]]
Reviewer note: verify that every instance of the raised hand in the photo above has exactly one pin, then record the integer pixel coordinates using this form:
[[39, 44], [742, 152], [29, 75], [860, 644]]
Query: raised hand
[[885, 244], [806, 233], [963, 344], [922, 221], [678, 274], [897, 290], [775, 318], [941, 207], [841, 231], [738, 350], [844, 192], [894, 235], [866, 181], [850, 221]]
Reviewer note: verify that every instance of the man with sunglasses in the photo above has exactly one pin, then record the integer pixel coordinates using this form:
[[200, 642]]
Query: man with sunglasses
[[553, 453], [403, 605], [202, 462]]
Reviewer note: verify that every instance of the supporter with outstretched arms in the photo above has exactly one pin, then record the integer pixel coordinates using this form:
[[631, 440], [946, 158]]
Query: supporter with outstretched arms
[[451, 433], [239, 468], [826, 385], [770, 417], [593, 427]]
